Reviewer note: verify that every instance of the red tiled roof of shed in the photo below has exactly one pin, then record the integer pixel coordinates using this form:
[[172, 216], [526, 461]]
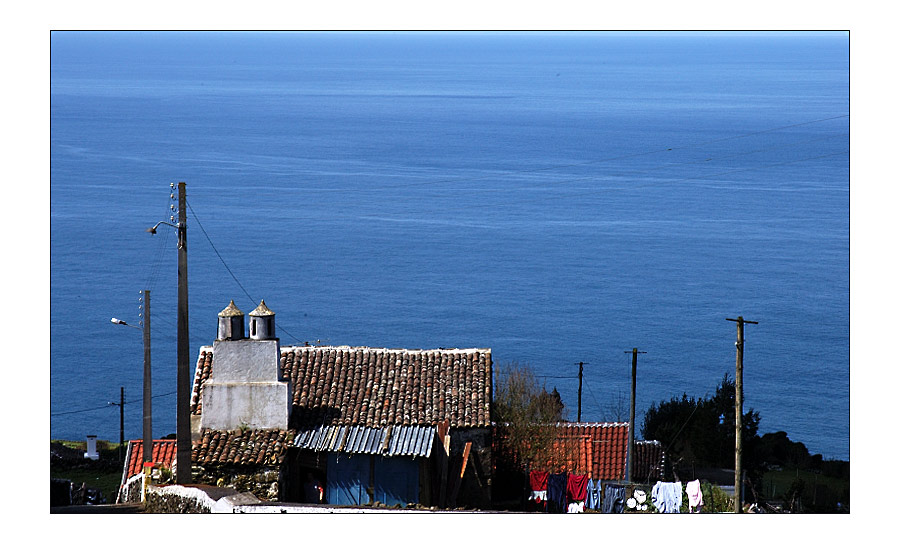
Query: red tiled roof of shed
[[596, 449], [249, 447], [163, 454]]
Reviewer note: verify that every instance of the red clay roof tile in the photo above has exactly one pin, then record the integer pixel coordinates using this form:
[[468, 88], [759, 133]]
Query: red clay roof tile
[[378, 386], [163, 454]]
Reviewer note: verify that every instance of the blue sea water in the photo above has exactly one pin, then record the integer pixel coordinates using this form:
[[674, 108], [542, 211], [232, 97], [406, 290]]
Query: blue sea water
[[557, 197]]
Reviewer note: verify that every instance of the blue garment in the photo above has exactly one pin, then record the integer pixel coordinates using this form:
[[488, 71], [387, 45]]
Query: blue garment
[[556, 492], [614, 499], [593, 494], [666, 497]]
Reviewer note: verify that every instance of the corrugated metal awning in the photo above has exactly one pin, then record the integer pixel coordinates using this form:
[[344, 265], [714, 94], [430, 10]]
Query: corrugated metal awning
[[389, 441]]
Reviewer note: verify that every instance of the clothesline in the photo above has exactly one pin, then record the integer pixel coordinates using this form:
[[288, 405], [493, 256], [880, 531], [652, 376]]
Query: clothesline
[[573, 493]]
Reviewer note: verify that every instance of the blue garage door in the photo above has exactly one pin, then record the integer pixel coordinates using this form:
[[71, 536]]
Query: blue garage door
[[396, 480], [348, 477]]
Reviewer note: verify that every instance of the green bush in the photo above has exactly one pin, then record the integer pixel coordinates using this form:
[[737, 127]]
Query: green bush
[[715, 500]]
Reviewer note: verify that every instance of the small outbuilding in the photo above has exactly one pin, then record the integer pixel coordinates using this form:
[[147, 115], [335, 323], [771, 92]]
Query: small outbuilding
[[339, 424]]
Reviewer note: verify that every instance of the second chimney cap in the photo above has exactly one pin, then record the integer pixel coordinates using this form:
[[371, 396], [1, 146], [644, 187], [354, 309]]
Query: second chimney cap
[[262, 310]]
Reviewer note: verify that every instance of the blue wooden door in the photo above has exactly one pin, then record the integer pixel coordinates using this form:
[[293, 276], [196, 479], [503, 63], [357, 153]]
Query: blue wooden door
[[396, 480], [348, 477]]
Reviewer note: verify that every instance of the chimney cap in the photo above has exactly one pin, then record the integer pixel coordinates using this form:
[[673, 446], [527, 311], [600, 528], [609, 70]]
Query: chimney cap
[[231, 310], [262, 310]]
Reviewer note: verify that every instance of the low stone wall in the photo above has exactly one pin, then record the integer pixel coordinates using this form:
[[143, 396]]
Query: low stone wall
[[210, 499], [133, 490], [264, 482], [177, 499], [196, 499]]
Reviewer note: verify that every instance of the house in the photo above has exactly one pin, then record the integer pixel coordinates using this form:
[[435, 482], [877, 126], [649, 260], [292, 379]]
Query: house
[[163, 457], [395, 426], [598, 450], [649, 462]]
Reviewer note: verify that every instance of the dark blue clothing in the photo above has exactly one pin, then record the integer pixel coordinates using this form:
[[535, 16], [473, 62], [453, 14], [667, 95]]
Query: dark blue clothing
[[614, 499], [556, 492]]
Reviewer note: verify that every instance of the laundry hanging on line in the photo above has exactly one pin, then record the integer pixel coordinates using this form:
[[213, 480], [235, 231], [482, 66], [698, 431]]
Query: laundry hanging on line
[[576, 492], [594, 493], [614, 499], [667, 497], [538, 482], [695, 496], [556, 492]]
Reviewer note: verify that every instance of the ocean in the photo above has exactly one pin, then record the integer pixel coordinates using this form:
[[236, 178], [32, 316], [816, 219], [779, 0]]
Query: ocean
[[556, 197]]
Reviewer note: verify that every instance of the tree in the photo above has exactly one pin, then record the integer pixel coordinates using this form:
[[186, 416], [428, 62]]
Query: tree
[[701, 431], [523, 411]]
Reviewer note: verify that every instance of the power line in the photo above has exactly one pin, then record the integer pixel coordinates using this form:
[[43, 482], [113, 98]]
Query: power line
[[107, 406], [227, 268], [161, 250]]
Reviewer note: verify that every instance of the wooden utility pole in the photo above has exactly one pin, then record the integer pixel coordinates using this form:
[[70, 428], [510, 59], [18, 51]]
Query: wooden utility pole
[[581, 365], [738, 410], [121, 405], [183, 415], [148, 404], [629, 461]]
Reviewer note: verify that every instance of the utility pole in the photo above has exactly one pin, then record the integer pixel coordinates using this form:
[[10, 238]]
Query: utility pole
[[738, 410], [121, 405], [148, 404], [183, 349], [580, 379], [629, 461], [183, 415]]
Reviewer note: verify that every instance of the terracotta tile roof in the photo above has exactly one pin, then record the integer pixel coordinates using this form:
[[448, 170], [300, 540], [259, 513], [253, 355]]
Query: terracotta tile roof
[[163, 454], [596, 449], [201, 374], [249, 447], [377, 387], [649, 461]]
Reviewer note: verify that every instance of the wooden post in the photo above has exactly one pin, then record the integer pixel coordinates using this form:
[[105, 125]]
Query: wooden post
[[457, 482], [739, 411], [443, 435], [183, 415], [580, 376], [148, 405], [629, 460], [121, 421]]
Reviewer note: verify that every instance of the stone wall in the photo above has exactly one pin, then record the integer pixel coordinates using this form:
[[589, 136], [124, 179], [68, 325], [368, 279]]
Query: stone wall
[[264, 482], [177, 499], [133, 490]]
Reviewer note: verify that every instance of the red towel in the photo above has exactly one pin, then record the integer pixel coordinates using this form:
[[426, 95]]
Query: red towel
[[538, 480], [576, 488]]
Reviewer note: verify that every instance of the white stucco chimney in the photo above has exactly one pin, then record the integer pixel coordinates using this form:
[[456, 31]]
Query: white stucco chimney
[[92, 448], [246, 386]]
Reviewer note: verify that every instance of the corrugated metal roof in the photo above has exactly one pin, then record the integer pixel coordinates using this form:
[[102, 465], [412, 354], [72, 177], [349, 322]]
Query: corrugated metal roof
[[389, 441]]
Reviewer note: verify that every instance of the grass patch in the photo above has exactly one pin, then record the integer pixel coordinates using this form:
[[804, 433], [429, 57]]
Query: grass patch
[[819, 493], [67, 462], [105, 480]]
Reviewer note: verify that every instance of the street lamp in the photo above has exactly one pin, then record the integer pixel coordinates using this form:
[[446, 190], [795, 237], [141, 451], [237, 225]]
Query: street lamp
[[148, 405], [122, 322]]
